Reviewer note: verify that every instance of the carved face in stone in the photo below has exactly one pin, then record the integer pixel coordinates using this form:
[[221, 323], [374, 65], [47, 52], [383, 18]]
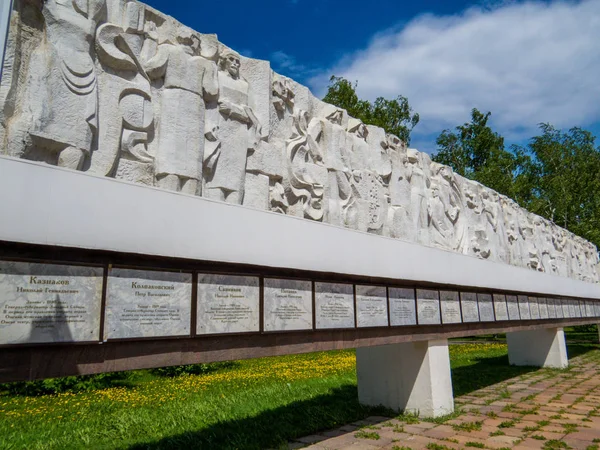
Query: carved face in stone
[[230, 62]]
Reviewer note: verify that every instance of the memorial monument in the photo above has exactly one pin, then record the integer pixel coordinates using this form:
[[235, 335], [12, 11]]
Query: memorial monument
[[176, 161]]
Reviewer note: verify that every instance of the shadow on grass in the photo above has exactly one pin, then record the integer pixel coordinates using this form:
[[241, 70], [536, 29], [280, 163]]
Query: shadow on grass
[[274, 428], [485, 372], [575, 349]]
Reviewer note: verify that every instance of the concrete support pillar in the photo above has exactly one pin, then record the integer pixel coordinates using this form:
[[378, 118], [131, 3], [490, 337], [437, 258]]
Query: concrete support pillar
[[542, 348], [413, 377]]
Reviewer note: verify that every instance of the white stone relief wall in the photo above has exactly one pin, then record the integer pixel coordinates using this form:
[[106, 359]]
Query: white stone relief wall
[[117, 89]]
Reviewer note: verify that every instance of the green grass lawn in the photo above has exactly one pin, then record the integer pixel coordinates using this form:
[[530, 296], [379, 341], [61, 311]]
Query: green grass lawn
[[256, 403]]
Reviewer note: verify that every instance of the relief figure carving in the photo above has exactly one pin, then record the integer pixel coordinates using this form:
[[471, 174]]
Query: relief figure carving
[[58, 121], [188, 80], [238, 134]]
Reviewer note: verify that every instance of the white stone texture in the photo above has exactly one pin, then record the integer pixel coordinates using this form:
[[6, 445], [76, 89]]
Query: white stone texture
[[551, 308], [486, 307], [469, 307], [371, 306], [543, 303], [117, 89], [234, 234], [428, 307], [412, 377], [541, 348], [334, 305], [402, 306], [227, 304], [450, 307], [524, 310], [500, 307], [512, 305], [560, 312], [534, 308], [49, 303], [147, 303], [287, 304]]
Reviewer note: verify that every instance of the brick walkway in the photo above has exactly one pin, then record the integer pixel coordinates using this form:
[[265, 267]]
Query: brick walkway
[[544, 409]]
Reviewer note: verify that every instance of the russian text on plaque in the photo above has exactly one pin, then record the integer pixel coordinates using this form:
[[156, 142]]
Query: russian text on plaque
[[49, 303]]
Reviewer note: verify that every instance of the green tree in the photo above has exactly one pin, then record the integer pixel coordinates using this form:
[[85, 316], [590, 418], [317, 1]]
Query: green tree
[[394, 116], [475, 151], [564, 179]]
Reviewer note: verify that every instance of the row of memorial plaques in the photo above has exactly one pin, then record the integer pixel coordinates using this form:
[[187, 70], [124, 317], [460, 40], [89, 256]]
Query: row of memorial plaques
[[47, 303]]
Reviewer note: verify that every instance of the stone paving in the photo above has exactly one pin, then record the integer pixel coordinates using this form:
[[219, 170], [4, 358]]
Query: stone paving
[[543, 409]]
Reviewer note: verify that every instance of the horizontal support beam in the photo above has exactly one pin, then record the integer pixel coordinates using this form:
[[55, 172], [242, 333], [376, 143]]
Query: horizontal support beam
[[48, 361]]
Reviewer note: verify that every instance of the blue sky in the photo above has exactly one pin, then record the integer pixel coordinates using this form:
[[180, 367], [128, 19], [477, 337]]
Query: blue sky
[[526, 62]]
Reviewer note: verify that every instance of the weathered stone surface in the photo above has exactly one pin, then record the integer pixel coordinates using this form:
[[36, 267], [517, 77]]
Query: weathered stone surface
[[470, 310], [334, 305], [543, 303], [371, 306], [500, 307], [524, 310], [403, 309], [288, 304], [146, 303], [534, 308], [117, 89], [428, 307], [48, 303], [227, 304], [450, 304], [486, 307], [512, 304]]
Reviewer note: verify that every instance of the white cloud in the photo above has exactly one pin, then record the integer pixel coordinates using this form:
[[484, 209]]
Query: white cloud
[[288, 65], [526, 62]]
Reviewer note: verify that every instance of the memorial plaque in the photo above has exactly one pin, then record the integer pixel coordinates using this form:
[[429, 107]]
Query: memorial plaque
[[486, 307], [513, 307], [428, 307], [450, 304], [288, 305], [371, 306], [524, 311], [572, 311], [500, 308], [589, 309], [334, 305], [227, 304], [147, 303], [534, 308], [470, 310], [49, 303], [402, 307], [566, 313], [543, 308], [577, 305], [551, 308], [560, 313]]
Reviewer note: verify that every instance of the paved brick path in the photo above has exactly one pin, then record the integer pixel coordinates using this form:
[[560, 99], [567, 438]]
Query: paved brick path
[[543, 409]]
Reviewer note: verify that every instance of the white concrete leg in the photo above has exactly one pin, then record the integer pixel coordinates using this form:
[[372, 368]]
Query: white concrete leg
[[541, 348], [413, 377]]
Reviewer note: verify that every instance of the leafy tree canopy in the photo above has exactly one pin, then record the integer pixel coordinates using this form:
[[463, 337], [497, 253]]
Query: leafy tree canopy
[[394, 116], [557, 175]]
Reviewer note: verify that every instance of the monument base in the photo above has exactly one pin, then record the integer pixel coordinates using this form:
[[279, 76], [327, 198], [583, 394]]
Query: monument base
[[540, 348], [412, 377]]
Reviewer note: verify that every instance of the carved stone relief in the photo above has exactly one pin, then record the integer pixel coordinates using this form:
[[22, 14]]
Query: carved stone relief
[[117, 89]]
